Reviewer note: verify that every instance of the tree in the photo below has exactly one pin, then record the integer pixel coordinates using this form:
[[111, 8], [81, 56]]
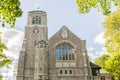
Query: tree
[[4, 61], [84, 6], [9, 11], [112, 65], [112, 32], [101, 60], [0, 77], [112, 44]]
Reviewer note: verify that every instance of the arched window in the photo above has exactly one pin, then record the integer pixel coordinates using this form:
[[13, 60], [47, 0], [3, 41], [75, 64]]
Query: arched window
[[65, 51], [36, 20]]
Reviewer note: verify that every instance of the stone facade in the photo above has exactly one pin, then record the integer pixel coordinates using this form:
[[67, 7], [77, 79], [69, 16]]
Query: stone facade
[[106, 76], [62, 57]]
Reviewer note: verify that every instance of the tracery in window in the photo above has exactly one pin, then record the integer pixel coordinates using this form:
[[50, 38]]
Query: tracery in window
[[36, 20], [65, 51]]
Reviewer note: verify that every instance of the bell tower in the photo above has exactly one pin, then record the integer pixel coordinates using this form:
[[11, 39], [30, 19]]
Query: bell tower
[[36, 30], [36, 25], [37, 17]]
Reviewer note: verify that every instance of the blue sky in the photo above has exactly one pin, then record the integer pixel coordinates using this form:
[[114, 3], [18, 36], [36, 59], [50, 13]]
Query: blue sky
[[59, 12], [63, 12]]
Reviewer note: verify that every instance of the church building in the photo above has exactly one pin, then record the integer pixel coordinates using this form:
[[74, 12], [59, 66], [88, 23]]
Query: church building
[[61, 57]]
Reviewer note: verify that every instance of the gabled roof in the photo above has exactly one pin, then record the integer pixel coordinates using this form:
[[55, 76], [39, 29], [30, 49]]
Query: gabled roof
[[69, 32], [94, 66]]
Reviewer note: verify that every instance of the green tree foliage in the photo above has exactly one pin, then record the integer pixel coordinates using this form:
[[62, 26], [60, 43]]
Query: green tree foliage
[[112, 65], [112, 32], [0, 77], [4, 61], [84, 6], [111, 25], [112, 44], [9, 11], [101, 60]]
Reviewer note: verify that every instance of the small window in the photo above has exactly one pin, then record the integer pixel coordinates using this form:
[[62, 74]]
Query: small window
[[97, 72], [102, 77], [36, 20], [70, 71], [60, 71], [65, 71]]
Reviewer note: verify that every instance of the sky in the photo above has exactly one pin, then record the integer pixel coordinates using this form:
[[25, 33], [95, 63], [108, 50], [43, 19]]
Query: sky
[[62, 12], [59, 13]]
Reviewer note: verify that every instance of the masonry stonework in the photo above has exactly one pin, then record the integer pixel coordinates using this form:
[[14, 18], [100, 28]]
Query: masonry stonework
[[62, 57]]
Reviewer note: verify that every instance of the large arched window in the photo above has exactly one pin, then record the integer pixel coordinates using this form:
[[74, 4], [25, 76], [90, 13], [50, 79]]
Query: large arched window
[[65, 51], [36, 20]]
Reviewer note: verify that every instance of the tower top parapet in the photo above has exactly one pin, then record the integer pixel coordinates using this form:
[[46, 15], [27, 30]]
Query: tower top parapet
[[37, 17], [37, 11]]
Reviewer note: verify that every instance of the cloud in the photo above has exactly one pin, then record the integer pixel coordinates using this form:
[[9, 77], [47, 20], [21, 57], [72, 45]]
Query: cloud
[[13, 40], [94, 52], [90, 49], [92, 56], [7, 73], [99, 39]]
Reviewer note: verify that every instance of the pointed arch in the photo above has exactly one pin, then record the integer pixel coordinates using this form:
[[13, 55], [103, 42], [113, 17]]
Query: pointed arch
[[65, 51]]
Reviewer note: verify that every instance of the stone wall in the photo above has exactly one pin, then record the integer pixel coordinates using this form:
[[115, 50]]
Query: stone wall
[[76, 65]]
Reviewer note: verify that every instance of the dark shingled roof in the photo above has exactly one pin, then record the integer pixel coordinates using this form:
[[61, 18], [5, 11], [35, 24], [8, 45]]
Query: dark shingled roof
[[94, 66]]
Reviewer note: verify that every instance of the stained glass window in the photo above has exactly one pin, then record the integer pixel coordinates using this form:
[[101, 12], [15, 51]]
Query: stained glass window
[[65, 51]]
